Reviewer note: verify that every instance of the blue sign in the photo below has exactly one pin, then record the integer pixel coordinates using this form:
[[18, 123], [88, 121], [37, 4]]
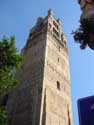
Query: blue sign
[[86, 111]]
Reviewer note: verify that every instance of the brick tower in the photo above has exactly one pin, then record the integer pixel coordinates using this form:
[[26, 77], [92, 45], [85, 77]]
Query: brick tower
[[43, 97]]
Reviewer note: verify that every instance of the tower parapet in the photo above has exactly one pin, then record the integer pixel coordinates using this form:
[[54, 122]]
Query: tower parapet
[[47, 25]]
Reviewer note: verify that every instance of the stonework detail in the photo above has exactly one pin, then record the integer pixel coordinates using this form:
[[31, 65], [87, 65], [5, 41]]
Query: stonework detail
[[43, 97]]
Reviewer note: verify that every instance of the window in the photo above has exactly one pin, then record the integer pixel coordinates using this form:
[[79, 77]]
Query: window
[[68, 111], [50, 25], [3, 102], [58, 60], [54, 30], [35, 54], [59, 48], [58, 85], [55, 24]]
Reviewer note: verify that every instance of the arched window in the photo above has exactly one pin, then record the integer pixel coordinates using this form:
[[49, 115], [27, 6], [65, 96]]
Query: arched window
[[58, 85]]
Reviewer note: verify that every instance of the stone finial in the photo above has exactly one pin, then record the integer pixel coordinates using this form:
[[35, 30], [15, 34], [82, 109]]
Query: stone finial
[[79, 1], [59, 21], [50, 13], [39, 20]]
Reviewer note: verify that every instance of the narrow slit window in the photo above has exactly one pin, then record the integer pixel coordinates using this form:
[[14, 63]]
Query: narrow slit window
[[58, 85], [58, 59]]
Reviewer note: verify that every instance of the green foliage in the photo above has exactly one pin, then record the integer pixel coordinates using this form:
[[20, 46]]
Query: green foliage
[[10, 61], [3, 116], [8, 53], [7, 80], [80, 37], [84, 33]]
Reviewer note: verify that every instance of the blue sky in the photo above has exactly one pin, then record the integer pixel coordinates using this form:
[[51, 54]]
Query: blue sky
[[17, 18]]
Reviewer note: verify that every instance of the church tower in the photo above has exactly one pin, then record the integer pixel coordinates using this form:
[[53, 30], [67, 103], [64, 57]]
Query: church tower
[[43, 96]]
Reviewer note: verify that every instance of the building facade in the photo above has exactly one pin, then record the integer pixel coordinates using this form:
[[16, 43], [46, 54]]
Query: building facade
[[43, 97]]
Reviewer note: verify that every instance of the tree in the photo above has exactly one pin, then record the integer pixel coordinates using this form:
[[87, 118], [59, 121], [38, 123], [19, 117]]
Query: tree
[[10, 61], [85, 34]]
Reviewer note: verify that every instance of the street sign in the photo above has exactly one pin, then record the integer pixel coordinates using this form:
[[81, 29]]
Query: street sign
[[86, 111]]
